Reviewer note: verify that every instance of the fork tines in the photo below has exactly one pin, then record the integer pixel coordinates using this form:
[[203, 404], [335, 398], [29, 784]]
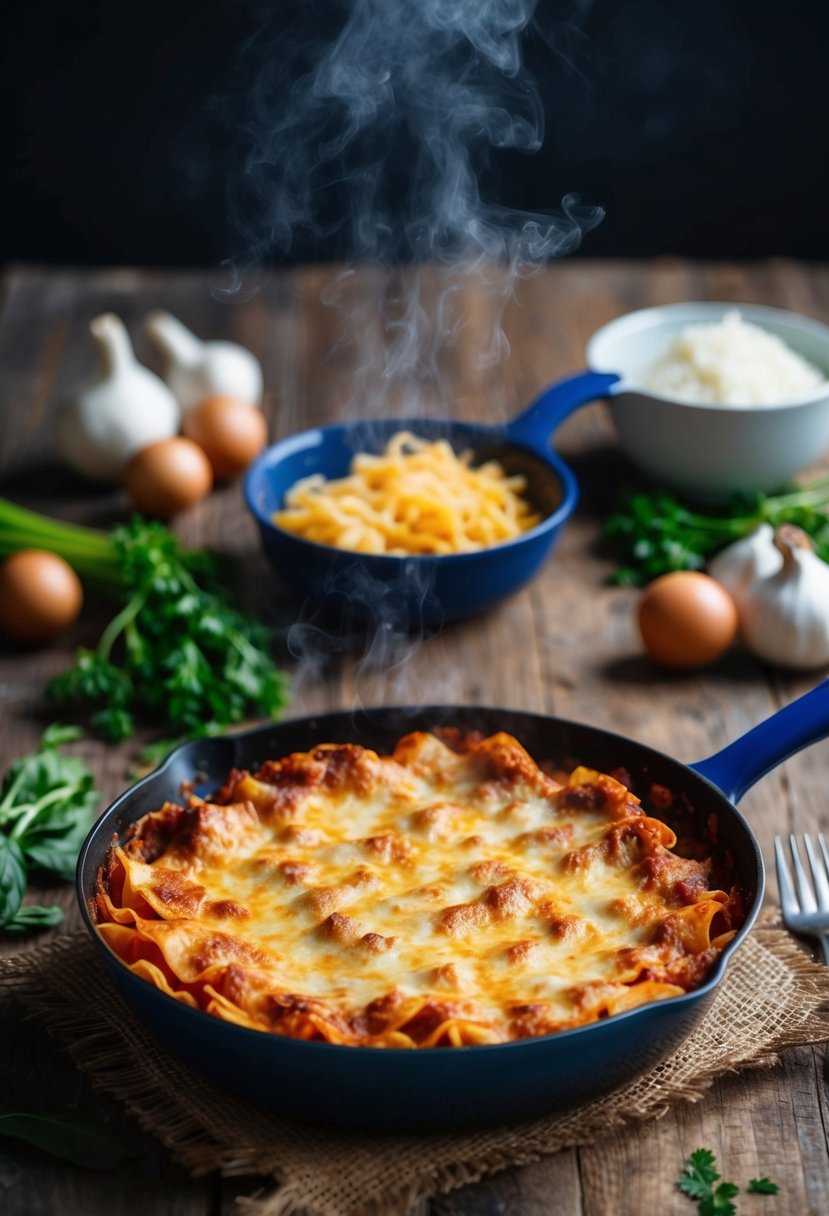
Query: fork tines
[[805, 900]]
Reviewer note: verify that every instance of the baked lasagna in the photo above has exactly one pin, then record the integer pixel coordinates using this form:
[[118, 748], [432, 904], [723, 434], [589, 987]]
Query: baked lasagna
[[451, 893]]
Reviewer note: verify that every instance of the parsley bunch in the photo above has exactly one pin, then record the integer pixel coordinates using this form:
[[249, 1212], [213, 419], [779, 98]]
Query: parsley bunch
[[655, 533], [176, 653], [47, 802], [698, 1180]]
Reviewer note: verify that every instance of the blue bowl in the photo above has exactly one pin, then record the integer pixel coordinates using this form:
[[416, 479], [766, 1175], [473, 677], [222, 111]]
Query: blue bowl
[[418, 590]]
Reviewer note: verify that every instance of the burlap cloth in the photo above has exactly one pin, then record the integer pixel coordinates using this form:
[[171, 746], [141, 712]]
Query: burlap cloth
[[772, 997]]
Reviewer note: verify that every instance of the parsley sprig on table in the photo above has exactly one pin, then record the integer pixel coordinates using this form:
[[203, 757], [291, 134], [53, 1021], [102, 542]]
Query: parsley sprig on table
[[176, 654], [701, 1182], [47, 801], [655, 533]]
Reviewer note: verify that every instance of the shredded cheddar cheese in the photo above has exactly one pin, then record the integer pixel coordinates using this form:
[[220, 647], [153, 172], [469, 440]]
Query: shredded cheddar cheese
[[415, 498]]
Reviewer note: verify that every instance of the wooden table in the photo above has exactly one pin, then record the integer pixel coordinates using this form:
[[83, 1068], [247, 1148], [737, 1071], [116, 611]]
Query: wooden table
[[565, 645]]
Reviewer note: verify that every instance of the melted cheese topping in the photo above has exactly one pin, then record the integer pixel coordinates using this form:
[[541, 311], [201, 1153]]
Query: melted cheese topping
[[440, 895]]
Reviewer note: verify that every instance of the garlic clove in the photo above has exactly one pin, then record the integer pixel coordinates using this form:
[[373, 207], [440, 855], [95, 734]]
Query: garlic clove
[[785, 617], [195, 370], [128, 407], [740, 564]]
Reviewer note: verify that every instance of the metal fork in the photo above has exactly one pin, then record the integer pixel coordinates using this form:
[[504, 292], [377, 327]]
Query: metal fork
[[805, 904]]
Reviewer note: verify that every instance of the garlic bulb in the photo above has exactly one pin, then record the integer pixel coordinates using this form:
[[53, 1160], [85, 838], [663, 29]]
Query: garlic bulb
[[785, 617], [739, 565], [126, 409], [196, 370]]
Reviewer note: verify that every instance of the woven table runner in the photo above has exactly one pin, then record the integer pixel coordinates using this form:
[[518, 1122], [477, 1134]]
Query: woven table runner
[[772, 997]]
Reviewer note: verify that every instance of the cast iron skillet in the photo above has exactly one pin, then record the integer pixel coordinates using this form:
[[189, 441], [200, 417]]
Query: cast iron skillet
[[466, 1086], [423, 590]]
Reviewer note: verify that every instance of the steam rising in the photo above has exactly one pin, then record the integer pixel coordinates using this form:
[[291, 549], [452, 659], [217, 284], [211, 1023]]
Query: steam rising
[[407, 98], [372, 132], [318, 639], [379, 145]]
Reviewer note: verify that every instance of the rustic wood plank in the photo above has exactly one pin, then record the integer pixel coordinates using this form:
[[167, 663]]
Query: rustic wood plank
[[566, 645], [44, 340], [802, 1072], [32, 1183], [550, 1185], [749, 1122]]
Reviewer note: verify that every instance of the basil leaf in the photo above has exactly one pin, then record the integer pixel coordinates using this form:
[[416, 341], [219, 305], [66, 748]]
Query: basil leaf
[[46, 806], [57, 857], [33, 916], [12, 879], [80, 1139]]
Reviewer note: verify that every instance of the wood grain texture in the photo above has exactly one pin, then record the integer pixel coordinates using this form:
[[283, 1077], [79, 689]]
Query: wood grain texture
[[565, 645]]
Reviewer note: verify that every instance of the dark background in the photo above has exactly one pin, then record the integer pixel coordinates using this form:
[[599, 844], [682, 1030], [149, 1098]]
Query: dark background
[[700, 125]]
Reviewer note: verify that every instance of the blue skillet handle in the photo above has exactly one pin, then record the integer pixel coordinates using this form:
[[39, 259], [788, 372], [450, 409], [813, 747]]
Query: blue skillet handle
[[534, 426], [736, 768]]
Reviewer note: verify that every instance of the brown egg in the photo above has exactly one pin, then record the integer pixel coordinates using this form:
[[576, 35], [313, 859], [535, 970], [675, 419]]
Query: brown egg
[[686, 619], [167, 477], [231, 432], [40, 594]]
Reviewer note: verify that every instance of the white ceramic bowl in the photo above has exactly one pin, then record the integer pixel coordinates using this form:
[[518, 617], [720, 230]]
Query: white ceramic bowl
[[712, 451]]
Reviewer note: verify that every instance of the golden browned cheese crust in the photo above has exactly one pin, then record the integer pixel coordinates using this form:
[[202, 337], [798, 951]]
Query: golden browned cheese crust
[[451, 893]]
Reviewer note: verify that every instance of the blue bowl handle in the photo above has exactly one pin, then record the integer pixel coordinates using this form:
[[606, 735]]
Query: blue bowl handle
[[736, 768], [534, 426]]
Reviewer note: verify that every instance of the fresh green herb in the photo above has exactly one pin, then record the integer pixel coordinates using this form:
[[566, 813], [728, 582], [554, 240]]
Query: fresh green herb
[[84, 1141], [701, 1182], [718, 1203], [699, 1175], [762, 1186], [176, 653], [33, 916], [653, 534], [47, 802], [12, 880]]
